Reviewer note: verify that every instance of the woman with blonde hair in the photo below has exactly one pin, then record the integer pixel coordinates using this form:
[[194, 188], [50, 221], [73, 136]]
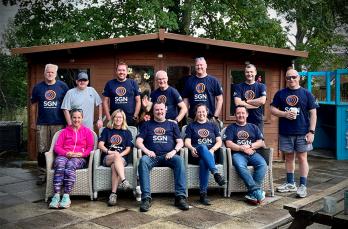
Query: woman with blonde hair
[[115, 143]]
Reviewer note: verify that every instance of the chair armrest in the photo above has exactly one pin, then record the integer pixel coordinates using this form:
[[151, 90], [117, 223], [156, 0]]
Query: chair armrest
[[184, 153], [96, 161], [49, 160], [134, 156], [90, 162], [267, 154], [229, 157], [139, 154]]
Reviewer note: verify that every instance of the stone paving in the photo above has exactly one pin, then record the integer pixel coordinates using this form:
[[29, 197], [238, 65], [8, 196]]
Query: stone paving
[[22, 204]]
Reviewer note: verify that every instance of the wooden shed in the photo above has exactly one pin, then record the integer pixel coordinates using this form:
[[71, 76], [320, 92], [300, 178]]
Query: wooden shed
[[145, 54]]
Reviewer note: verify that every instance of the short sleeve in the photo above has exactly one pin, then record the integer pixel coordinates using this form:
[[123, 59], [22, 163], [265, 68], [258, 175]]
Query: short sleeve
[[176, 131], [67, 101], [34, 95], [106, 91], [276, 100], [263, 89], [129, 138], [237, 91], [217, 88], [103, 137], [188, 131]]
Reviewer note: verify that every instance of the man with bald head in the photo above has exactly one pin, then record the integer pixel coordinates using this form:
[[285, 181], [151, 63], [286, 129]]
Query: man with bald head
[[296, 109], [169, 96]]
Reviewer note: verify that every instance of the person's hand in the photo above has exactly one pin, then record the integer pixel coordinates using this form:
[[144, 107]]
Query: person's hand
[[151, 154], [194, 152], [249, 151], [68, 154], [170, 154], [147, 118], [211, 150], [99, 123], [291, 115], [309, 138]]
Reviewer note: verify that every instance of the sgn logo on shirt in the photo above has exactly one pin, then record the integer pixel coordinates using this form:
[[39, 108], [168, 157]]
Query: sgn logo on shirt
[[200, 88], [249, 94], [159, 136], [50, 95], [116, 139], [204, 133], [120, 92], [162, 99], [243, 138]]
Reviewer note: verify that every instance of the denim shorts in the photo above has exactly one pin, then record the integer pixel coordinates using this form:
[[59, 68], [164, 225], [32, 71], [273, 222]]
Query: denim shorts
[[104, 162], [294, 143]]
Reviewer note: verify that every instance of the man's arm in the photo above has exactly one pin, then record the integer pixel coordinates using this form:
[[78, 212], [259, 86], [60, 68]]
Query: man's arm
[[100, 116], [182, 112], [257, 102], [67, 116], [219, 100], [239, 102], [178, 146], [140, 144], [312, 124], [247, 149], [106, 104], [186, 101], [282, 114], [137, 106]]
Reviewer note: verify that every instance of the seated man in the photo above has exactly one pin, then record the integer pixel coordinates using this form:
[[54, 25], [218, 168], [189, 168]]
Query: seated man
[[244, 139], [159, 140]]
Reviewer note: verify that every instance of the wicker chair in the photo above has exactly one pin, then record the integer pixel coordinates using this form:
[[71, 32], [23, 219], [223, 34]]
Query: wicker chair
[[83, 184], [161, 178], [102, 175], [192, 171], [236, 184]]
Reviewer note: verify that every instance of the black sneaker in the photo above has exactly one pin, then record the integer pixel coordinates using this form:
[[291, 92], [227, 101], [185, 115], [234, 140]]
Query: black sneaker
[[145, 204], [204, 199], [181, 203], [219, 179]]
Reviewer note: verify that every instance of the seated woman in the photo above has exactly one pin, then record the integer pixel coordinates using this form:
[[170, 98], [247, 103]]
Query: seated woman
[[203, 139], [73, 146], [115, 143]]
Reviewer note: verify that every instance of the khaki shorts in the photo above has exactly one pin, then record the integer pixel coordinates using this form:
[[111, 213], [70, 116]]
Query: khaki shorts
[[44, 135]]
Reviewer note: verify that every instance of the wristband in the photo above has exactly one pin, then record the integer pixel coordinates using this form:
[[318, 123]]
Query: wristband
[[312, 131], [216, 117]]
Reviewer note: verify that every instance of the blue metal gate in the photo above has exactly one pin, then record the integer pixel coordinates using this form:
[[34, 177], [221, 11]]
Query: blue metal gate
[[331, 91]]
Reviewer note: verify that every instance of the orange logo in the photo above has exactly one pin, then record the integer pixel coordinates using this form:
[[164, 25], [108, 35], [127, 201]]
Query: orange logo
[[162, 99], [120, 91], [242, 135], [203, 133], [159, 131], [200, 88], [292, 100], [50, 95], [116, 139], [249, 94]]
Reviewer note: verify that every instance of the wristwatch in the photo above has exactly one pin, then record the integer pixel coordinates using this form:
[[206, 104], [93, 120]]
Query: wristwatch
[[312, 131]]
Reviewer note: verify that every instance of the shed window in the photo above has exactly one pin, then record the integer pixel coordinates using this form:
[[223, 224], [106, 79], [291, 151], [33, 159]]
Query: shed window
[[177, 76], [144, 76]]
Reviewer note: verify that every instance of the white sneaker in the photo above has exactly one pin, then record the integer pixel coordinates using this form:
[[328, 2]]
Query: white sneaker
[[137, 193], [302, 191], [287, 187]]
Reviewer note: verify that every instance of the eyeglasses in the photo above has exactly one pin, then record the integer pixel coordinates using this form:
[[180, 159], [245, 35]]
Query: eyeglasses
[[291, 77]]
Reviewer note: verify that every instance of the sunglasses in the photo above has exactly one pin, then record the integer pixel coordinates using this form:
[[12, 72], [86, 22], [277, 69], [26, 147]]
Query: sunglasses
[[291, 77], [84, 80]]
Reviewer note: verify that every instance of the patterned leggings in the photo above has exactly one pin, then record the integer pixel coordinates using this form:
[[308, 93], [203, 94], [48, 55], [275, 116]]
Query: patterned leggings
[[65, 173]]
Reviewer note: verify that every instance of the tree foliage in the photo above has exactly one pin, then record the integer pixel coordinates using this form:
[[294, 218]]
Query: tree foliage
[[318, 26]]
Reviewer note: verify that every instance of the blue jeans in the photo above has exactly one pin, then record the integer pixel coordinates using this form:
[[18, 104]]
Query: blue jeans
[[241, 161], [206, 165], [176, 163]]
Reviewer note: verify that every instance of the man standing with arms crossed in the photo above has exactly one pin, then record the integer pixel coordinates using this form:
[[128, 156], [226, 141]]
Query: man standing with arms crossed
[[46, 99], [122, 93], [252, 95], [203, 88], [296, 109]]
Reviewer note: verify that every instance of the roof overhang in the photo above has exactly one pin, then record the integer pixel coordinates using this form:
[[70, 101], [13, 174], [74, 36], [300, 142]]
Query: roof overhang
[[161, 35]]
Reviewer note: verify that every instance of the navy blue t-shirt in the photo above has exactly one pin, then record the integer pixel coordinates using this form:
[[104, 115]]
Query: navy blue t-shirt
[[170, 97], [122, 95], [116, 139], [202, 90], [300, 98], [160, 137], [245, 92], [49, 99], [202, 133], [243, 135]]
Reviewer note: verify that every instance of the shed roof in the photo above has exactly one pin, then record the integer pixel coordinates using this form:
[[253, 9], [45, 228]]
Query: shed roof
[[161, 35]]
